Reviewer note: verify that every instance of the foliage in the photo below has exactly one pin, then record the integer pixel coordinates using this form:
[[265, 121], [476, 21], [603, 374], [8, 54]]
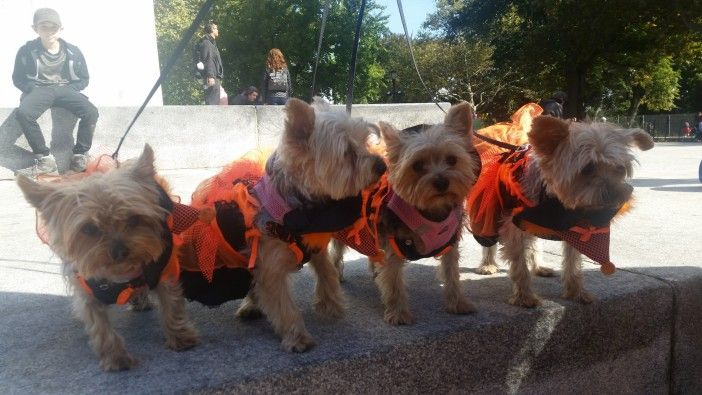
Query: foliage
[[173, 17], [567, 44], [248, 29]]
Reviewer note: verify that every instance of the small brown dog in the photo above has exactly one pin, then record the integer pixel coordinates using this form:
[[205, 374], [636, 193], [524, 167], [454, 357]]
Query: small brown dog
[[111, 231], [430, 173], [310, 189], [568, 185]]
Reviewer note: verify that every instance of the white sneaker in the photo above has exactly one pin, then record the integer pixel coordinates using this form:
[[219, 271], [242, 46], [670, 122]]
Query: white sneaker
[[43, 165], [79, 162]]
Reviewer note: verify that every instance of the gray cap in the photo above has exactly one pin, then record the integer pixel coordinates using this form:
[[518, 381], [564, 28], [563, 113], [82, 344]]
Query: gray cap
[[46, 15]]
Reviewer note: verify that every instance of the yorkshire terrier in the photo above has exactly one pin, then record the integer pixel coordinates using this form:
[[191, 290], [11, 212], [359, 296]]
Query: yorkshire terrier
[[310, 188], [111, 231], [567, 184], [430, 172]]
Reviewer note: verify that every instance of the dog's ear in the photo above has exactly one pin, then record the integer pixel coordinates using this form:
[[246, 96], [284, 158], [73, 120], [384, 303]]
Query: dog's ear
[[547, 133], [391, 136], [460, 119], [35, 192], [144, 167], [642, 139], [299, 124]]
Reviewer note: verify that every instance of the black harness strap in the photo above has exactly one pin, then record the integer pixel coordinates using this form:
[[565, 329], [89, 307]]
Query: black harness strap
[[498, 143]]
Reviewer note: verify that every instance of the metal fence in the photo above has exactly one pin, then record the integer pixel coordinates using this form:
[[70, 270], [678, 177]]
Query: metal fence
[[660, 125]]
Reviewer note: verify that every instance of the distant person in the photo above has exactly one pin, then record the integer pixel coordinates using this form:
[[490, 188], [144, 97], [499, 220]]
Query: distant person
[[247, 97], [686, 129], [212, 71], [277, 84], [51, 73], [553, 106]]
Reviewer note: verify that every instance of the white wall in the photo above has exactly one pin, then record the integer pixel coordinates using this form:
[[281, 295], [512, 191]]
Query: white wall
[[118, 39]]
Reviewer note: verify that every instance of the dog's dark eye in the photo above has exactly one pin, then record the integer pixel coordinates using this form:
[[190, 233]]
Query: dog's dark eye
[[451, 160], [418, 166], [90, 229], [133, 221], [588, 170]]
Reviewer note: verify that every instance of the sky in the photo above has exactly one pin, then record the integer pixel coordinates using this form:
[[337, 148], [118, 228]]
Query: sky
[[416, 12]]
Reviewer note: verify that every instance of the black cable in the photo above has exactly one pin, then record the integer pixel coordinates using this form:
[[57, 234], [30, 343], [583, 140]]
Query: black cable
[[354, 53], [169, 65], [414, 61], [325, 14]]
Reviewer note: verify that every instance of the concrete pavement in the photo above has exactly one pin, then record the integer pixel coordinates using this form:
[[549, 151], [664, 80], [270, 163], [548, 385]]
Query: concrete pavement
[[642, 335]]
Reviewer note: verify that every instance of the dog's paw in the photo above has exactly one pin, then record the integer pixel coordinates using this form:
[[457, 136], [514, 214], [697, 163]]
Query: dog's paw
[[542, 271], [300, 342], [487, 269], [460, 306], [185, 339], [118, 362], [525, 300], [329, 308], [579, 295], [399, 317]]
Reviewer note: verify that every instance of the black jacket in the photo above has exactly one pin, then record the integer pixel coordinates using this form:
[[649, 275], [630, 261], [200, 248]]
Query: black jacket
[[209, 56], [25, 73], [267, 91]]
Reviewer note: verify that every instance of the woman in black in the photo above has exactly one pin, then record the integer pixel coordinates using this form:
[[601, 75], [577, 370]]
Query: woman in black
[[277, 85]]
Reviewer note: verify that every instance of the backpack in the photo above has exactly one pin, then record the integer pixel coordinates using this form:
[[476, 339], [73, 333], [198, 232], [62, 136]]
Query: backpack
[[278, 81], [198, 66]]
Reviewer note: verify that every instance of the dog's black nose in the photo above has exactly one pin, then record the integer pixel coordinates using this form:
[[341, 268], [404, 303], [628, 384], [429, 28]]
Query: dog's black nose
[[119, 251], [440, 183], [379, 166]]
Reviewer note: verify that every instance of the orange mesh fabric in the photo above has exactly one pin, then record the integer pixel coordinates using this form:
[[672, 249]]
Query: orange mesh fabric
[[229, 185], [497, 192], [218, 188], [363, 235]]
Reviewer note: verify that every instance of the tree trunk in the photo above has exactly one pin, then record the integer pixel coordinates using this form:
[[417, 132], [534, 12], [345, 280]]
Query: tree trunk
[[575, 80], [637, 94]]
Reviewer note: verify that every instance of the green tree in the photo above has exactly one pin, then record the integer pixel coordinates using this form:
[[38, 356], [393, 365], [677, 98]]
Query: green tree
[[560, 43], [250, 28], [173, 17]]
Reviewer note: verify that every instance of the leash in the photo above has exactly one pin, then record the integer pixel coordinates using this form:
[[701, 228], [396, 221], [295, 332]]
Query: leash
[[325, 14], [169, 65], [498, 143], [354, 53], [490, 140], [414, 61]]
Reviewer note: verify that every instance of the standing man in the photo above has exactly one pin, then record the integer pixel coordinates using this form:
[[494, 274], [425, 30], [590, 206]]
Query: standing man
[[51, 72], [212, 66]]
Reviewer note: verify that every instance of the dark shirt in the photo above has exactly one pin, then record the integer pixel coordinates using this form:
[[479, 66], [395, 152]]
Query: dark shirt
[[209, 55], [241, 100], [51, 68]]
